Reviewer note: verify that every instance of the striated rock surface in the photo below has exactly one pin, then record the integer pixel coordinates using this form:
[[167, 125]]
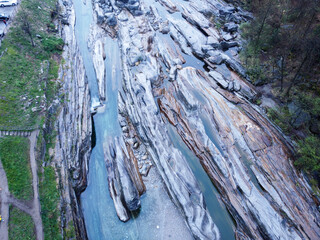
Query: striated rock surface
[[247, 158], [244, 156], [124, 179], [74, 128], [178, 69], [139, 105], [98, 62]]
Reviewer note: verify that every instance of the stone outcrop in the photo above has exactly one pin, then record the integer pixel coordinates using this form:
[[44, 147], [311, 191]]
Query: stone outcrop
[[133, 6], [246, 157], [137, 101], [125, 183], [74, 128]]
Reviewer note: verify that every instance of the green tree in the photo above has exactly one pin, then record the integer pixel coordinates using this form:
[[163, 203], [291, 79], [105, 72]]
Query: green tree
[[309, 155]]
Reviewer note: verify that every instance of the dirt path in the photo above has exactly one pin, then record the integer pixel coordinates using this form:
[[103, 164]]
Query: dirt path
[[4, 194], [36, 201], [33, 207]]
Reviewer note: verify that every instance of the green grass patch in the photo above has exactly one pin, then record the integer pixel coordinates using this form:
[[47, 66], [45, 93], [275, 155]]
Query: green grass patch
[[31, 56], [14, 155], [49, 198], [52, 44], [21, 226], [30, 59]]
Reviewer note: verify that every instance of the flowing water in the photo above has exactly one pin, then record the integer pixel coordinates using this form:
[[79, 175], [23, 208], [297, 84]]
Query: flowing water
[[216, 208], [218, 212], [98, 208]]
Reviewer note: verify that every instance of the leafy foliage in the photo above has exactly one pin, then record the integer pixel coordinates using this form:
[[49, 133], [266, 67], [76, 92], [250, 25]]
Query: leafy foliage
[[284, 39], [282, 118], [53, 44], [309, 151], [310, 103]]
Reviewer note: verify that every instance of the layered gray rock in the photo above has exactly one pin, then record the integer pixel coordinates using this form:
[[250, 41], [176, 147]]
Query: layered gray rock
[[140, 106], [73, 142], [241, 136], [245, 156], [133, 6], [245, 141], [120, 177]]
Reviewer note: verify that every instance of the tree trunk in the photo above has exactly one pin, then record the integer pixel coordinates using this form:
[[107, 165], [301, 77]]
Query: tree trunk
[[263, 22], [297, 73], [282, 72], [27, 29]]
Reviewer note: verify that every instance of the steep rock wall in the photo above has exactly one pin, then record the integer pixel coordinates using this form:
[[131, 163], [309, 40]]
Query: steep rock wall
[[73, 126]]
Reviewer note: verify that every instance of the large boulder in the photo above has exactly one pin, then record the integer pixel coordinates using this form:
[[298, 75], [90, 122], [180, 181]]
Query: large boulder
[[230, 27], [133, 6], [299, 117], [226, 45]]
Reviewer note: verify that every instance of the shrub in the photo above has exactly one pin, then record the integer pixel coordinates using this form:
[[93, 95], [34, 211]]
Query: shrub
[[309, 154], [282, 118], [53, 44]]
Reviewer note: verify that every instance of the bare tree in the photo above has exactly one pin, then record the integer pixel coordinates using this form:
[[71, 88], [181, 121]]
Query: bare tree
[[294, 80], [263, 22], [24, 19]]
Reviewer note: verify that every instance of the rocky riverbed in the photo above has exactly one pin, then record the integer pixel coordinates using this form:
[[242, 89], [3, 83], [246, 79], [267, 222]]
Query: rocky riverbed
[[180, 75]]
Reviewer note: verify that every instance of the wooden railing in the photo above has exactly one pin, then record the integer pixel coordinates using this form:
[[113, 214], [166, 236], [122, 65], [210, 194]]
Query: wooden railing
[[16, 131]]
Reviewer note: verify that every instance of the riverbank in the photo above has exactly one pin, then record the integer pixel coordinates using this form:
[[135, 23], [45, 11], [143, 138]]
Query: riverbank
[[281, 55]]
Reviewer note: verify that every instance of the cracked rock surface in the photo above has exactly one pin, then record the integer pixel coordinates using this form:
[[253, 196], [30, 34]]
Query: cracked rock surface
[[180, 70]]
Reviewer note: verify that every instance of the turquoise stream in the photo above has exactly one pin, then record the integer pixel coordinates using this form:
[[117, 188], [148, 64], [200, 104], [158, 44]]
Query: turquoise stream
[[98, 209]]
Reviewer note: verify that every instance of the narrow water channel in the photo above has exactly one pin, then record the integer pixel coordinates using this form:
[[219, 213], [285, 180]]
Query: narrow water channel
[[98, 209], [157, 210], [84, 17], [218, 212]]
